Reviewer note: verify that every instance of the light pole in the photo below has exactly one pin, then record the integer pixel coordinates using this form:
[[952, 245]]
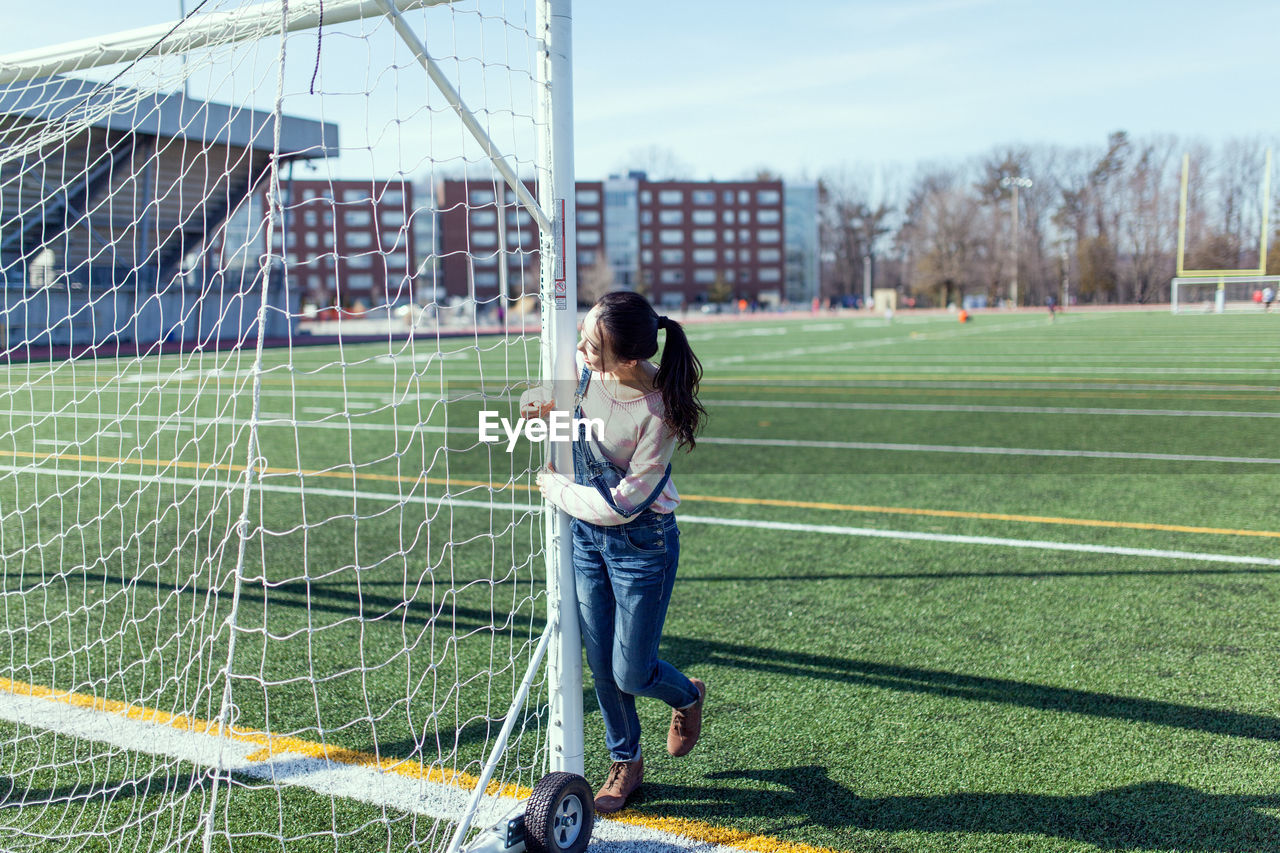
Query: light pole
[[1015, 183]]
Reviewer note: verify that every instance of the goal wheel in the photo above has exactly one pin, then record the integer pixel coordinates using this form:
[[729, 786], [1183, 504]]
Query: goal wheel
[[559, 815]]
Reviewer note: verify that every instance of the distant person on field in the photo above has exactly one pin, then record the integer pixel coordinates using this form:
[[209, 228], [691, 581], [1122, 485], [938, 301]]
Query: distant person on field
[[1052, 304], [1268, 296]]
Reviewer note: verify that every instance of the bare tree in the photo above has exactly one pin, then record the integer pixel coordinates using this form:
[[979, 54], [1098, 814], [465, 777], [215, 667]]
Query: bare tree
[[595, 281]]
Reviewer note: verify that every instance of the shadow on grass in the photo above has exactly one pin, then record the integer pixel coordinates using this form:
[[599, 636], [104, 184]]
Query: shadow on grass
[[1146, 816], [81, 794], [688, 653]]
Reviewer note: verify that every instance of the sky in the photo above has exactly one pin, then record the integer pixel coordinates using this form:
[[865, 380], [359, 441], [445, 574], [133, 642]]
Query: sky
[[729, 88]]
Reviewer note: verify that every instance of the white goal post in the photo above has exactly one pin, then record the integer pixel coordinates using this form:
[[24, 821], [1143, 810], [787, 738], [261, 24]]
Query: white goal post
[[1220, 294], [261, 583]]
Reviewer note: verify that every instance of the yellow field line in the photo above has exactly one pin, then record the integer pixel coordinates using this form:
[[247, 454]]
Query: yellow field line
[[720, 499], [406, 767], [270, 743]]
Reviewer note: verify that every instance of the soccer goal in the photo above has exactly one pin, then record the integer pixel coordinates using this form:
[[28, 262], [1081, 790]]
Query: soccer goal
[[263, 587], [1222, 294]]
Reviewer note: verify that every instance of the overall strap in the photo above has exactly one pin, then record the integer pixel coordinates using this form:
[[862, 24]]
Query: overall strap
[[580, 394]]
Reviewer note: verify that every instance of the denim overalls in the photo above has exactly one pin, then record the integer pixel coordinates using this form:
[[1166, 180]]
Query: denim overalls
[[624, 575]]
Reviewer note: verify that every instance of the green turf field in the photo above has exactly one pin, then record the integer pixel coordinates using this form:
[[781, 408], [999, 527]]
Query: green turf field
[[1007, 585]]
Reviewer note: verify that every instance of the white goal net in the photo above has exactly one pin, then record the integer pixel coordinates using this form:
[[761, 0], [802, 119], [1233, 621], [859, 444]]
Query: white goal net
[[262, 586]]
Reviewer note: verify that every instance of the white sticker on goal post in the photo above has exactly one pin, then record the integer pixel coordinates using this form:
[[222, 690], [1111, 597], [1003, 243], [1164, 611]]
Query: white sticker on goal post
[[561, 279]]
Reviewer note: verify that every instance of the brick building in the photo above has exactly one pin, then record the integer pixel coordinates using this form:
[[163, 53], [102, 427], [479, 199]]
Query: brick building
[[351, 242], [683, 242]]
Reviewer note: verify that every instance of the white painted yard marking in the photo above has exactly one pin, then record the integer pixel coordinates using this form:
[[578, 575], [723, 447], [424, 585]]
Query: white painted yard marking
[[345, 426], [986, 451], [514, 506], [865, 344], [408, 786], [1013, 410]]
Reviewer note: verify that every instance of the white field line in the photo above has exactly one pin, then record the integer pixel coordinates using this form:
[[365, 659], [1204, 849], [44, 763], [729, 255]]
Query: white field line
[[246, 757], [1012, 410], [738, 442], [828, 380], [828, 529], [828, 349], [878, 366], [985, 451], [407, 786]]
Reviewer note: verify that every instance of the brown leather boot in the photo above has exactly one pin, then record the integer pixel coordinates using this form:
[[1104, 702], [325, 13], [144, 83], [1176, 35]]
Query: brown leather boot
[[686, 724], [624, 778]]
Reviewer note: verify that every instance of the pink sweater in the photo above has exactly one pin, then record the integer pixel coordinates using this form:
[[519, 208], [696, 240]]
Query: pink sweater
[[636, 439]]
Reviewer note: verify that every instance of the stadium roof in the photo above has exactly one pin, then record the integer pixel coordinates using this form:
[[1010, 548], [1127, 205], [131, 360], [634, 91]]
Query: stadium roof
[[170, 115]]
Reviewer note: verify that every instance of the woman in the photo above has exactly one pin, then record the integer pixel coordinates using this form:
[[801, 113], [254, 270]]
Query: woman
[[625, 541]]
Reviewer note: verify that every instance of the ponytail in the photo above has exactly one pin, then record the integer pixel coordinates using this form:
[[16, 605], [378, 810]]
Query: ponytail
[[679, 375], [631, 326]]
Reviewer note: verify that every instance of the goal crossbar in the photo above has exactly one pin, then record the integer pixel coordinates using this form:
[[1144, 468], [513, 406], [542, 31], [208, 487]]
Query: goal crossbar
[[176, 37]]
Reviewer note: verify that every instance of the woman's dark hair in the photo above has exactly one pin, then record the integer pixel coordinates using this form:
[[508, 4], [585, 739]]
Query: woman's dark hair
[[631, 330]]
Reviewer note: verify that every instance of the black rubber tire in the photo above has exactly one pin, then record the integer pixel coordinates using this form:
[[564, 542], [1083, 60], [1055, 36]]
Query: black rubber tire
[[560, 814]]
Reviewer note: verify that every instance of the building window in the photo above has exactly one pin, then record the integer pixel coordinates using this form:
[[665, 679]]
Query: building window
[[393, 197], [646, 217], [728, 197], [646, 237], [672, 277], [310, 239], [728, 235], [768, 217], [359, 239], [588, 196], [704, 276], [586, 259], [393, 217], [770, 274], [671, 237], [360, 262], [484, 238], [704, 235], [487, 216], [328, 238], [397, 260], [744, 197], [362, 281], [673, 256], [730, 255], [588, 238], [744, 236], [309, 218], [704, 256], [768, 235], [486, 279], [744, 216], [671, 217], [518, 219], [768, 197], [588, 217], [646, 256], [646, 197], [704, 217], [357, 217], [770, 256], [355, 195], [728, 217], [704, 196], [478, 197], [671, 197]]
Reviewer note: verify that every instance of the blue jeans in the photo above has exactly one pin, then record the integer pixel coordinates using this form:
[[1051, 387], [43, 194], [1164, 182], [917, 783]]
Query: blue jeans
[[624, 576]]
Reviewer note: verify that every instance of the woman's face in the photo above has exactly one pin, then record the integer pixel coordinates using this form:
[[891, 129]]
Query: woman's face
[[596, 352], [592, 346]]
